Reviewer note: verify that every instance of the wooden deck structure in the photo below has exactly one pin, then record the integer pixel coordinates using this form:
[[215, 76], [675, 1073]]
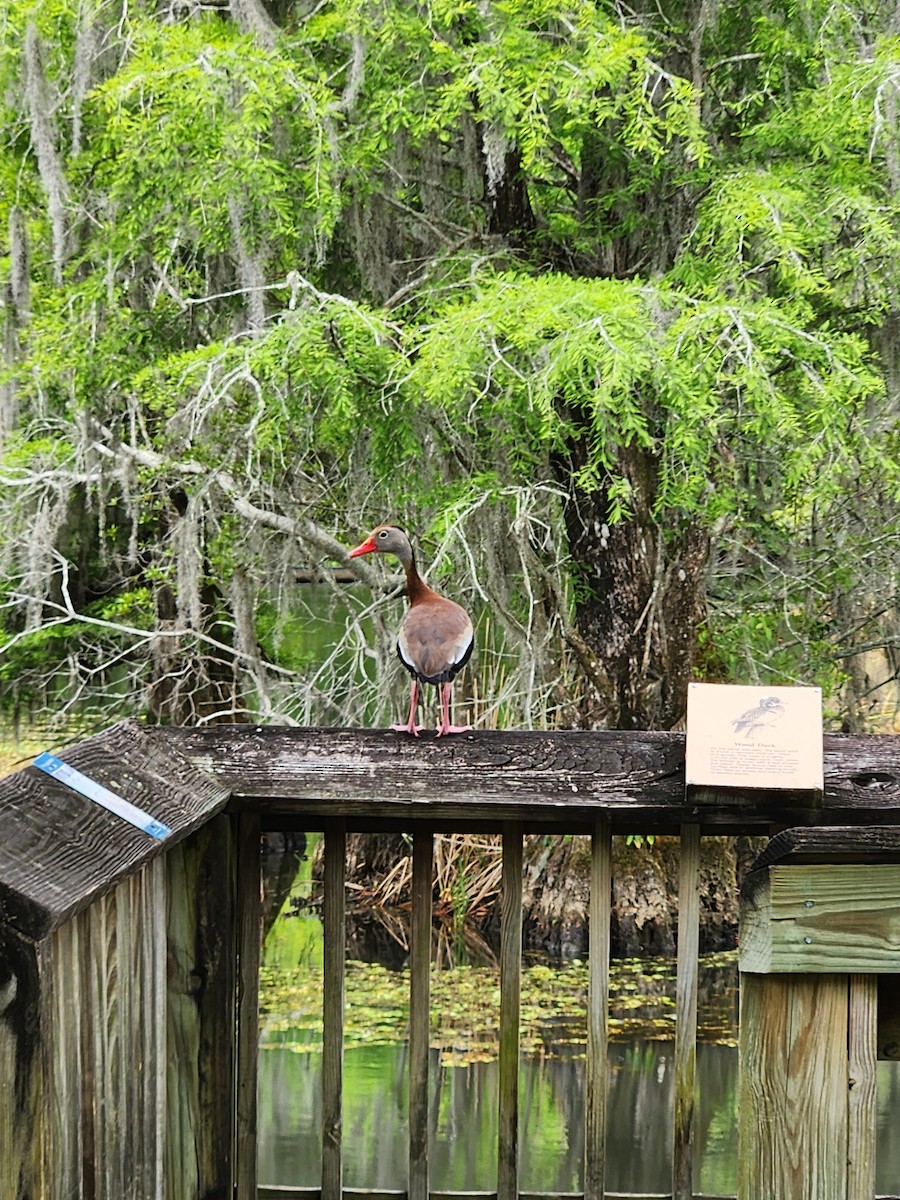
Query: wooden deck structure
[[129, 966], [820, 936]]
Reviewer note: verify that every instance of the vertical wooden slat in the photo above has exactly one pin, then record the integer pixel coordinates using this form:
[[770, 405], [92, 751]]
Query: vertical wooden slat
[[125, 1050], [333, 1009], [85, 1105], [510, 987], [154, 950], [104, 1036], [792, 1109], [862, 1037], [595, 1080], [249, 930], [420, 1012], [686, 1013], [63, 1046], [182, 1118], [201, 960]]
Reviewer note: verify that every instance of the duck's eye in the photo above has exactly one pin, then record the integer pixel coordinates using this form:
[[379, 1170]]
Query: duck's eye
[[383, 533]]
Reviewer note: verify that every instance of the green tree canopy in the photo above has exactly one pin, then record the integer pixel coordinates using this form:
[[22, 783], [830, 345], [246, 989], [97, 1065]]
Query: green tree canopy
[[599, 301]]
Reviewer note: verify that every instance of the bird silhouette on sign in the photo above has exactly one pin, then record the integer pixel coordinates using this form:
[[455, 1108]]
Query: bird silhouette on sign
[[436, 636], [767, 713]]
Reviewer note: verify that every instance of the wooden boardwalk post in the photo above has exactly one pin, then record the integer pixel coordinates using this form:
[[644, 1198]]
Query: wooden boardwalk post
[[861, 1064], [117, 986], [510, 989], [686, 1013], [249, 923], [420, 1012], [596, 1068], [333, 1010], [815, 936], [202, 1038], [792, 1110]]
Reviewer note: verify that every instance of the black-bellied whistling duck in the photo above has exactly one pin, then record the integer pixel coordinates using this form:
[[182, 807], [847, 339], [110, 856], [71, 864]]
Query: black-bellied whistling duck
[[436, 636]]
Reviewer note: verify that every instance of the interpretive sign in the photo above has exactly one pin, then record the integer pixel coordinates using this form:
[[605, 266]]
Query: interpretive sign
[[756, 737]]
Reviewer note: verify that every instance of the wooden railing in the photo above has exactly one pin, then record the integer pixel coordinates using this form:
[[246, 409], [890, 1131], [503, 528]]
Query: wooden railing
[[510, 962], [598, 784]]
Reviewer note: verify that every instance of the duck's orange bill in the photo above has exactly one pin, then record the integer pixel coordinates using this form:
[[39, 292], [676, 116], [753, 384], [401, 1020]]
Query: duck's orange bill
[[365, 548]]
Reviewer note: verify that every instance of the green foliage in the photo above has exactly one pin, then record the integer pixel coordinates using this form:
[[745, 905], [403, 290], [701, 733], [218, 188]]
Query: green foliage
[[465, 1006], [304, 394], [37, 652], [556, 86], [664, 250], [617, 364], [203, 108]]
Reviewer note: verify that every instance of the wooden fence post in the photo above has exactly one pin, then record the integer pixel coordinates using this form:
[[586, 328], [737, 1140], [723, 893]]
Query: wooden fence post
[[333, 1010], [596, 1073], [249, 933], [686, 1013], [815, 937], [793, 1088], [420, 1012], [510, 989]]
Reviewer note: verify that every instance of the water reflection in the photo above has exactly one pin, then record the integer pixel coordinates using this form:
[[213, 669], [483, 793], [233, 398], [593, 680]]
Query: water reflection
[[464, 1120], [464, 1095]]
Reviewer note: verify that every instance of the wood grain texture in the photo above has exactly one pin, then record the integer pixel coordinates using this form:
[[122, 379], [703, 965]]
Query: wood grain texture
[[200, 1000], [862, 1108], [249, 945], [287, 1192], [420, 1012], [59, 851], [833, 844], [116, 1038], [21, 1086], [510, 991], [333, 1010], [103, 1042], [792, 1141], [821, 917], [888, 1019], [686, 1013], [596, 1082], [565, 778]]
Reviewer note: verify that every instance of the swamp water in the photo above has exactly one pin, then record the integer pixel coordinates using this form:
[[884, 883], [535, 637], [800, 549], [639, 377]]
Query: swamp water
[[464, 1072], [464, 1120]]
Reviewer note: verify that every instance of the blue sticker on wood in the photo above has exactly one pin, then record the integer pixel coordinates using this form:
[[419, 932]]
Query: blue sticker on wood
[[101, 795]]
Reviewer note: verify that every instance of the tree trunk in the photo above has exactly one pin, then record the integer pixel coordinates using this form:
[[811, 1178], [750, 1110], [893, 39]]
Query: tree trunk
[[639, 595]]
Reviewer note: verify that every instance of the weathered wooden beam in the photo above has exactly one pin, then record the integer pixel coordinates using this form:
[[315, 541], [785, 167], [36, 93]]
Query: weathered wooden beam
[[862, 1110], [688, 970], [287, 1192], [510, 991], [793, 1107], [334, 943], [60, 851], [565, 779], [833, 844], [596, 1076], [420, 1012], [821, 917], [249, 938]]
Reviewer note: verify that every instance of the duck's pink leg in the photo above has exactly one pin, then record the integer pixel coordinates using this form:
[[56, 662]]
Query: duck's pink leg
[[411, 726], [445, 726]]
